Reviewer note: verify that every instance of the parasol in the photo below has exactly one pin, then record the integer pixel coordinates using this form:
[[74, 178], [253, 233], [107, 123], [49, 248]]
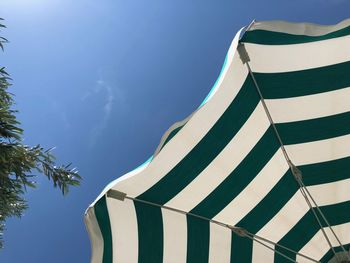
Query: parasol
[[260, 172]]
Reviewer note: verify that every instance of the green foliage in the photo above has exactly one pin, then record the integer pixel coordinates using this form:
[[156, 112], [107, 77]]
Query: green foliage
[[19, 161]]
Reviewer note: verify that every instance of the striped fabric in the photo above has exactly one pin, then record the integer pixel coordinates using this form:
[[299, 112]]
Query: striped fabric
[[224, 163]]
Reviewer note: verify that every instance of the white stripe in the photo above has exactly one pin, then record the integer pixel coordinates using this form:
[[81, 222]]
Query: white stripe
[[257, 189], [95, 235], [224, 163], [220, 244], [282, 110], [267, 178], [280, 225], [175, 236], [296, 208], [229, 158], [286, 58], [317, 247], [321, 193], [307, 29], [267, 257], [309, 107], [190, 135], [123, 220], [169, 131], [319, 151]]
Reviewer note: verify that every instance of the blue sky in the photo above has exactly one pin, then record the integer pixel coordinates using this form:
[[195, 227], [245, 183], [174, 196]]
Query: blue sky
[[102, 81]]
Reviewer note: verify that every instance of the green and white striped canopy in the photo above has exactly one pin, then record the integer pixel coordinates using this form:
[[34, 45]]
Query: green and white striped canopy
[[260, 172]]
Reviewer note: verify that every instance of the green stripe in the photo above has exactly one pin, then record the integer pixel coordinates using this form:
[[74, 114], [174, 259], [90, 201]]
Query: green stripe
[[280, 194], [284, 190], [329, 255], [304, 82], [240, 177], [150, 233], [307, 227], [241, 249], [342, 120], [315, 129], [276, 85], [102, 217], [326, 172], [263, 151], [266, 37], [207, 149], [198, 236]]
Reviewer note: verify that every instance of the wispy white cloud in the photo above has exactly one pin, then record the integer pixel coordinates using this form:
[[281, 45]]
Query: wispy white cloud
[[107, 110], [111, 95]]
